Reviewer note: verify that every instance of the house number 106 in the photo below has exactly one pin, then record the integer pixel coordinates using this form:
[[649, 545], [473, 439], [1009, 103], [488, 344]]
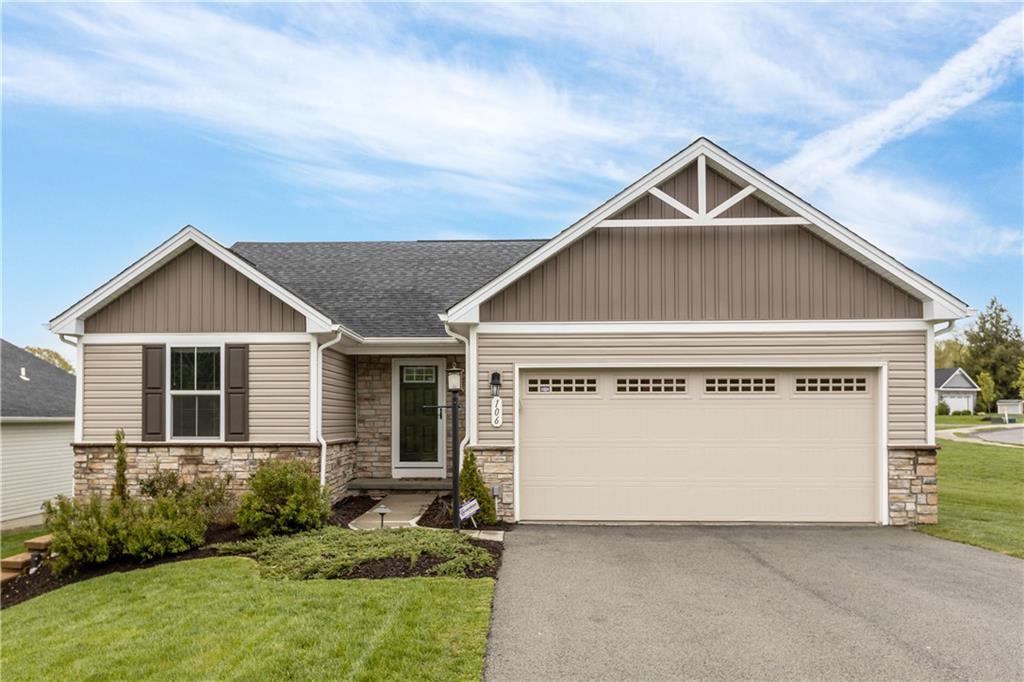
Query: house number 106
[[496, 410]]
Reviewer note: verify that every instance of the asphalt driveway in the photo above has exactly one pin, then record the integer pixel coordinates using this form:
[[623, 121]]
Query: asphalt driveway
[[749, 602]]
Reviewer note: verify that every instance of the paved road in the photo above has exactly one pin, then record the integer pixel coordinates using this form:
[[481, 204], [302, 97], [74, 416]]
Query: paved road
[[1012, 436], [663, 602]]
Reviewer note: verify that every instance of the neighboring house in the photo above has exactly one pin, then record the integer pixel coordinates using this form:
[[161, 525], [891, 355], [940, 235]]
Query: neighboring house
[[1010, 406], [704, 346], [37, 426], [955, 388]]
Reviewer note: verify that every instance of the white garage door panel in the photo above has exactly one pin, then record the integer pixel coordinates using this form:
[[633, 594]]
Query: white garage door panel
[[698, 456]]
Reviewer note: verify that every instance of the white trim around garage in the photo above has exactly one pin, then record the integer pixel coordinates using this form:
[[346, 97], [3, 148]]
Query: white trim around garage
[[882, 455], [765, 326], [930, 385]]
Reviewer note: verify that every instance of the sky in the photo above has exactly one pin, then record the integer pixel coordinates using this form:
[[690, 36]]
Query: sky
[[122, 123]]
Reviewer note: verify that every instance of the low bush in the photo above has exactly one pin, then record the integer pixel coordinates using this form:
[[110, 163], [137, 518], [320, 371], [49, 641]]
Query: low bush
[[333, 552], [961, 413], [213, 495], [163, 526], [84, 532], [942, 408], [471, 484], [284, 497]]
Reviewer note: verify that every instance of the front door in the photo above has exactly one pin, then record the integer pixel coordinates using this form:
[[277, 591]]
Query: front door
[[419, 428]]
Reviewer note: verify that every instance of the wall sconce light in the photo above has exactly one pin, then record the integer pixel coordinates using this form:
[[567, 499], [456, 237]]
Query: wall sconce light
[[495, 383]]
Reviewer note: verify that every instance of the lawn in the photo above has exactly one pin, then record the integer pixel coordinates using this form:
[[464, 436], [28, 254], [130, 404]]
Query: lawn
[[12, 541], [218, 619], [981, 496], [945, 421]]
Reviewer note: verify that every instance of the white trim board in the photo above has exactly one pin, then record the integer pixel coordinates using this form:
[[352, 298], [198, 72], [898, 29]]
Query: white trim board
[[209, 339], [939, 304], [882, 454], [767, 326], [72, 320]]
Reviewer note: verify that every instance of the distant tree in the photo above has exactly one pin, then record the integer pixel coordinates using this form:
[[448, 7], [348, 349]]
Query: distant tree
[[986, 391], [1020, 379], [994, 345], [52, 357], [949, 352]]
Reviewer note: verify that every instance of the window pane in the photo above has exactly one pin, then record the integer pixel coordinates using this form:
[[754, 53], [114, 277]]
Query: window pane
[[183, 409], [209, 415], [207, 369], [183, 369]]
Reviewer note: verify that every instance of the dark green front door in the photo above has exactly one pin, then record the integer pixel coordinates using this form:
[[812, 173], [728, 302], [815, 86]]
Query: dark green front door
[[418, 425]]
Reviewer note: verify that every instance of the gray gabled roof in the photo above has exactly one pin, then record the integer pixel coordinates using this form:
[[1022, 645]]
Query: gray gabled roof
[[944, 374], [49, 391], [390, 289]]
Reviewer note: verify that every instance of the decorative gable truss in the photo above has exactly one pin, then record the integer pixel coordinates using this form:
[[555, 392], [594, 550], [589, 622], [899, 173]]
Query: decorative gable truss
[[704, 186]]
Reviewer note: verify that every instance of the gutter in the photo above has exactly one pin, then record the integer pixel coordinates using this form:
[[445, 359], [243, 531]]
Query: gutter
[[465, 342], [340, 333], [945, 330]]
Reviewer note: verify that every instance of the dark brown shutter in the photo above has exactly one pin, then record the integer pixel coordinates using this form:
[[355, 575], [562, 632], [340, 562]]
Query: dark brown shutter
[[236, 392], [153, 392]]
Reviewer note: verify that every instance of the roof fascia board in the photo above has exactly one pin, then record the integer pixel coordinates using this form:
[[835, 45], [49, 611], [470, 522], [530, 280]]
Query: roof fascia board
[[72, 320], [938, 304]]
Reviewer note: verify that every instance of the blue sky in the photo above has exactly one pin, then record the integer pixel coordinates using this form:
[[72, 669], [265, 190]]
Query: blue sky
[[122, 123]]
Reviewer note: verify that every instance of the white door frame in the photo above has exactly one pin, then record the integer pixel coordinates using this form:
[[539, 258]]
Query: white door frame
[[882, 454], [418, 469]]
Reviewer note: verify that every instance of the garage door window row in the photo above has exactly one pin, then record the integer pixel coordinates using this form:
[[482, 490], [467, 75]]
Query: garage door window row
[[739, 385], [831, 385], [562, 385], [650, 385]]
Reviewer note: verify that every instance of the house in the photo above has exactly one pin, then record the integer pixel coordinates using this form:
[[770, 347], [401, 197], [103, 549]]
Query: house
[[704, 346], [37, 426], [954, 387]]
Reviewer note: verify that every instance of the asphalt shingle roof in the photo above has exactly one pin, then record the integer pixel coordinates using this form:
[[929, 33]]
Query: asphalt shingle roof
[[49, 392], [394, 289], [942, 375]]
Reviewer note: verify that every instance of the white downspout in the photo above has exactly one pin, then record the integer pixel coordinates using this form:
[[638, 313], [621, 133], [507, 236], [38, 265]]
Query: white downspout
[[465, 342], [79, 381], [318, 385]]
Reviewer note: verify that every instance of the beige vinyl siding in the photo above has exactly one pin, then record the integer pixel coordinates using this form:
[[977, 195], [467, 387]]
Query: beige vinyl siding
[[196, 292], [903, 351], [279, 392], [37, 465], [111, 392], [699, 273], [339, 401]]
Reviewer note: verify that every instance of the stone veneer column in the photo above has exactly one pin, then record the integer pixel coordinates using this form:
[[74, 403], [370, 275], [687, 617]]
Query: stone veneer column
[[497, 468], [913, 485]]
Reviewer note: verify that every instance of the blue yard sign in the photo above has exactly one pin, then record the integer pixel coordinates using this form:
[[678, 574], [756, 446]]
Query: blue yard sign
[[468, 508]]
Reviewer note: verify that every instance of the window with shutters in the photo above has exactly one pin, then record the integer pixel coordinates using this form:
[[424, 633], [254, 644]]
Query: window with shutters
[[195, 392]]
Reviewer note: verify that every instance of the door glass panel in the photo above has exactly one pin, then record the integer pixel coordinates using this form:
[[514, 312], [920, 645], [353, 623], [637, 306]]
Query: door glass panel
[[418, 425]]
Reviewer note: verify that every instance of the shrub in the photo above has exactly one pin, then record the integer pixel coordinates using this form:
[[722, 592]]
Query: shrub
[[164, 526], [961, 413], [121, 467], [471, 484], [942, 408], [284, 497], [213, 495], [84, 532]]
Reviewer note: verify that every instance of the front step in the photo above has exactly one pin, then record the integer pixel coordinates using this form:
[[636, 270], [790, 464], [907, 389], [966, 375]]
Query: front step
[[18, 562], [39, 544], [7, 576]]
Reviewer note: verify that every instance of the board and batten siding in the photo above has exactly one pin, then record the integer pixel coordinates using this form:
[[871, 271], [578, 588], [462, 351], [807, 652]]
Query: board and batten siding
[[699, 274], [37, 465], [339, 399], [905, 353], [111, 392], [278, 392], [196, 292]]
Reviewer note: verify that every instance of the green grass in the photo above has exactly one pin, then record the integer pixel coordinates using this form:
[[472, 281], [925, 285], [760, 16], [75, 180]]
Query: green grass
[[981, 496], [218, 619], [12, 541], [333, 552], [948, 421]]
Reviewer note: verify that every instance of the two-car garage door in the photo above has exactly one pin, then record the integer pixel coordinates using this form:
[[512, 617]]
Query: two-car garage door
[[770, 445]]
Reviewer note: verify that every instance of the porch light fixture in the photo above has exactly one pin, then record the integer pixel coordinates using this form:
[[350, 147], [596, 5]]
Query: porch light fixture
[[454, 379], [495, 383]]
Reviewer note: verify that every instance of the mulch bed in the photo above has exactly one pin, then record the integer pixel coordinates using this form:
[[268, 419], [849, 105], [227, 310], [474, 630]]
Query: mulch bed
[[351, 508], [397, 567], [439, 515], [44, 579]]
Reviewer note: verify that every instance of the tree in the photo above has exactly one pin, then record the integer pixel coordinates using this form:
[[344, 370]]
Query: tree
[[949, 352], [994, 345], [52, 357], [121, 468], [986, 391], [1020, 379]]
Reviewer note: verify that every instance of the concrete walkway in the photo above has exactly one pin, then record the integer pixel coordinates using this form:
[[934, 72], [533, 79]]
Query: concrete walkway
[[748, 602], [405, 509]]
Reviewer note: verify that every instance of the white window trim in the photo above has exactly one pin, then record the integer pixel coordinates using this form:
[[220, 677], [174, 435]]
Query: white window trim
[[418, 470], [882, 366], [169, 394]]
